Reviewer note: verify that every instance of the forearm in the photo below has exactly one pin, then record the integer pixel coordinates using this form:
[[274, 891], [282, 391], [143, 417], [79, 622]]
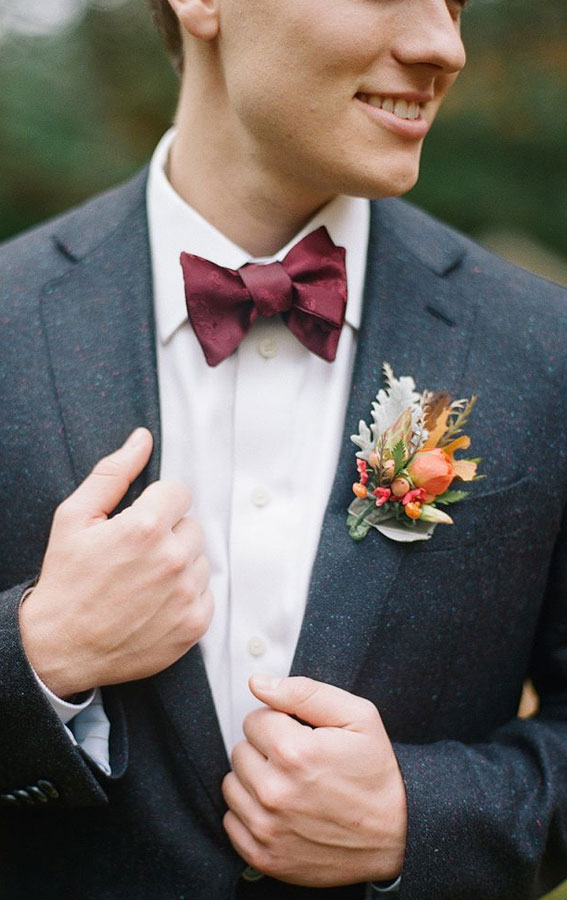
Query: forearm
[[487, 821]]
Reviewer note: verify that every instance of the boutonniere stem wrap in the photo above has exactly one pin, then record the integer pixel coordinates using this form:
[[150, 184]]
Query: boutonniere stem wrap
[[406, 462]]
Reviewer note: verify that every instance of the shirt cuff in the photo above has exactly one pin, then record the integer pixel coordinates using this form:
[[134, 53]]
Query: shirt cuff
[[386, 887], [65, 710]]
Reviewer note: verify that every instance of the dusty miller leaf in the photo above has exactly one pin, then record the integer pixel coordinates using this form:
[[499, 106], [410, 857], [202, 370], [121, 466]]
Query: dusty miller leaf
[[451, 497]]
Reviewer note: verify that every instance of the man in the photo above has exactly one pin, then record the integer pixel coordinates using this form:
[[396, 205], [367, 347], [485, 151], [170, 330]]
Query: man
[[395, 761]]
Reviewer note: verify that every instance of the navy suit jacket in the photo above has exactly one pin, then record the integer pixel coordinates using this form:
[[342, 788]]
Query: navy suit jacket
[[439, 635]]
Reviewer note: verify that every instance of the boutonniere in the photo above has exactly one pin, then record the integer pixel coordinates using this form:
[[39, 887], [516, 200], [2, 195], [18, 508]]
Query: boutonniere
[[406, 461]]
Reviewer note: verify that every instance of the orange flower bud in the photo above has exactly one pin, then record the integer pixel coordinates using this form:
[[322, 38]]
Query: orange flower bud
[[413, 510], [360, 490], [432, 470], [400, 486]]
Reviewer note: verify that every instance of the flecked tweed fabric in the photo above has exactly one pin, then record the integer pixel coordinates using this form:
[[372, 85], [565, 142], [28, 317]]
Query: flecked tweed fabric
[[439, 635]]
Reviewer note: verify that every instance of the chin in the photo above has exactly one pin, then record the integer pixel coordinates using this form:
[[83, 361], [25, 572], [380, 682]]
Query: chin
[[393, 180], [385, 178]]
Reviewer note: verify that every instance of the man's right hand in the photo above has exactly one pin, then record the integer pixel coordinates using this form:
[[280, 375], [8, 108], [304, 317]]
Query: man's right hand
[[122, 598]]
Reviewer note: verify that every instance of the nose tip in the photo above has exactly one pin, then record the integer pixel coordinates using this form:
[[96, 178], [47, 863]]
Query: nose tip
[[434, 39], [455, 55]]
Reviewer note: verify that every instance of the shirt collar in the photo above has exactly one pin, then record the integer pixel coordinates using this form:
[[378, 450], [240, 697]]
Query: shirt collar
[[175, 226]]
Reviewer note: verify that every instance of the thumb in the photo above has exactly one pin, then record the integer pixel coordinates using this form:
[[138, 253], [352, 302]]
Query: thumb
[[104, 488], [315, 702]]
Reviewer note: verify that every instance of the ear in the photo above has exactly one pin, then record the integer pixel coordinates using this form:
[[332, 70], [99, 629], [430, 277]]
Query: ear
[[200, 18]]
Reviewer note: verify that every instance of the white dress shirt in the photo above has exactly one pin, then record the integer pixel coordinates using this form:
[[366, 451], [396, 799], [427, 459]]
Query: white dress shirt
[[256, 439]]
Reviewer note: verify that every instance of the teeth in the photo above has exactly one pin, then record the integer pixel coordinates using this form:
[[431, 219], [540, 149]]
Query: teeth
[[400, 108]]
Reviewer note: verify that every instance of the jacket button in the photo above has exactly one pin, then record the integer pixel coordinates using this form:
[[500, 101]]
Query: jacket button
[[24, 797], [9, 800], [36, 794], [251, 874], [48, 788]]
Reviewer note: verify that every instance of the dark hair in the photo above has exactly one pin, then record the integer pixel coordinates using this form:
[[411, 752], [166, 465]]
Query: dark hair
[[166, 22]]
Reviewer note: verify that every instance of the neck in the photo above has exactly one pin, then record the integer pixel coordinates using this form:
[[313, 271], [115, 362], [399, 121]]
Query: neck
[[257, 209]]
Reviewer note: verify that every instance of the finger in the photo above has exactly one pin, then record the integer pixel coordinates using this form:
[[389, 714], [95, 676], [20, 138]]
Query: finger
[[190, 533], [275, 735], [250, 765], [241, 839], [315, 702], [163, 503], [200, 573], [243, 804], [104, 488]]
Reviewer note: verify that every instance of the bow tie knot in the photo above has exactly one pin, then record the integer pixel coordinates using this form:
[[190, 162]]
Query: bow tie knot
[[270, 287], [308, 287]]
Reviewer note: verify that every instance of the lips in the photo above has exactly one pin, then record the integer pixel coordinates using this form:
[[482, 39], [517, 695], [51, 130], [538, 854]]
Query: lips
[[402, 109]]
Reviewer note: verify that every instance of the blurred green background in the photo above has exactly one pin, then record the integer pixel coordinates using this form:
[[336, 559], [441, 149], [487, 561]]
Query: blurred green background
[[86, 90]]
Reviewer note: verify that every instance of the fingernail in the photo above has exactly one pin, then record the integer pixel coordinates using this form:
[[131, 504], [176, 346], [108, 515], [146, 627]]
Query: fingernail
[[136, 438], [266, 682]]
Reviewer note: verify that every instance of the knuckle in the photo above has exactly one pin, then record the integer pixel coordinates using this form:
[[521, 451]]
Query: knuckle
[[368, 709], [250, 718], [271, 795], [304, 688], [263, 858], [195, 536], [146, 527], [65, 512], [235, 755], [204, 568], [180, 491], [291, 755], [175, 560], [108, 465], [199, 620]]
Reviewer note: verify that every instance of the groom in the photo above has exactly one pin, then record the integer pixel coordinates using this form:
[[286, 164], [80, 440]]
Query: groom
[[174, 488]]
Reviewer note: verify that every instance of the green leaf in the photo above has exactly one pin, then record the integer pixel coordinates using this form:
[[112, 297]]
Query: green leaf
[[379, 514], [451, 497], [399, 456], [357, 529]]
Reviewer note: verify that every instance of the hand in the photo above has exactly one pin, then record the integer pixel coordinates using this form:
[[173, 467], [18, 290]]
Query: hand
[[321, 806], [121, 598]]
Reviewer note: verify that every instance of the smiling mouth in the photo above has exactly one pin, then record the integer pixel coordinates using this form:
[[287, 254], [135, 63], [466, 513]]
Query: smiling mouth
[[403, 109]]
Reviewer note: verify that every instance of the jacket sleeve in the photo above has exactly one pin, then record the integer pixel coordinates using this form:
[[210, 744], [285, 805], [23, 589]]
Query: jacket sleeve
[[489, 820], [39, 764]]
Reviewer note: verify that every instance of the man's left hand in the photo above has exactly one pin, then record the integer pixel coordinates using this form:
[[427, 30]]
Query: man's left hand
[[316, 806]]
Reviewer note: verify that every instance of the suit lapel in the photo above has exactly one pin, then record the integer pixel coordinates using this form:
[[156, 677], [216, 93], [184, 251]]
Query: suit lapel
[[100, 330], [412, 320], [98, 320]]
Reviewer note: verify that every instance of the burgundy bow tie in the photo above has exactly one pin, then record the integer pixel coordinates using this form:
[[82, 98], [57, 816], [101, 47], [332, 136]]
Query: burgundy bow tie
[[308, 287]]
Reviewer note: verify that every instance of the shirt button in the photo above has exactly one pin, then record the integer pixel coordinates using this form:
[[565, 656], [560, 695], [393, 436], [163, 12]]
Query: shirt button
[[260, 496], [256, 646], [268, 347]]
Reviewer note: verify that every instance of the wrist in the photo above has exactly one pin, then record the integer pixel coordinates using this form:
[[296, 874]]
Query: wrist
[[392, 853], [43, 650]]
